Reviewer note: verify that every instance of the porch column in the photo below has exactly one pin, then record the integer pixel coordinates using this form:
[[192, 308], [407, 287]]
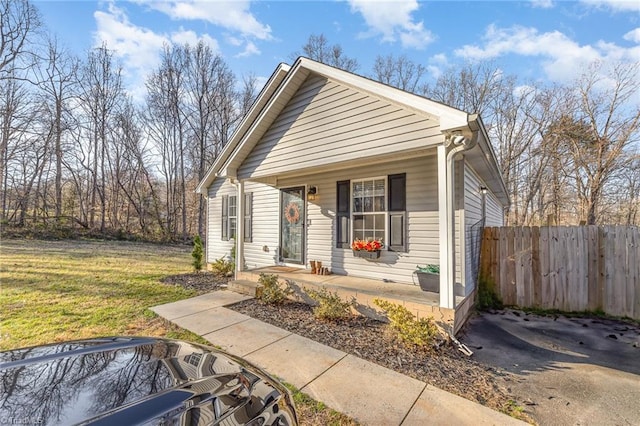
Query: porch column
[[240, 227], [445, 220]]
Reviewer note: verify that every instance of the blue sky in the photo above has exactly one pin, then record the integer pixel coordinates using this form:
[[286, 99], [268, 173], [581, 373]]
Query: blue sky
[[543, 40]]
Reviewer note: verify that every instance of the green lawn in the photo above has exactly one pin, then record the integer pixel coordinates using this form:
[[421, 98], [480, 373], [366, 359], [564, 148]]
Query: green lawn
[[59, 290], [53, 291]]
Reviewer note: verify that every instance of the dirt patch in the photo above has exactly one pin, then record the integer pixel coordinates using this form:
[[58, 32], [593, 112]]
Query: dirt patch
[[202, 282], [442, 366]]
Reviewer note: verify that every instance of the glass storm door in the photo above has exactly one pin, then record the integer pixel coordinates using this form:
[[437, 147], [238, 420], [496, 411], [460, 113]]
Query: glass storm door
[[292, 219]]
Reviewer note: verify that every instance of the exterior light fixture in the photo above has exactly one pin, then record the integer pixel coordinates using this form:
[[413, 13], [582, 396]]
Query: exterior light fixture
[[312, 193]]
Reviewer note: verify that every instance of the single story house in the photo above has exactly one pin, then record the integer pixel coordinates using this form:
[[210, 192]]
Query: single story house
[[325, 157]]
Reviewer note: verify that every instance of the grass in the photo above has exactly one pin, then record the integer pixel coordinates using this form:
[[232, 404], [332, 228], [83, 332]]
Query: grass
[[53, 291], [314, 413]]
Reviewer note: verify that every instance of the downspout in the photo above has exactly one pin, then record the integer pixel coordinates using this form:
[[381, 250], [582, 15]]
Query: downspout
[[206, 229], [460, 144]]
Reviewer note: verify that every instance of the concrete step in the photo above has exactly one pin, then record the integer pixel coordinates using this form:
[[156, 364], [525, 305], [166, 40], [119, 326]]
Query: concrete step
[[243, 287]]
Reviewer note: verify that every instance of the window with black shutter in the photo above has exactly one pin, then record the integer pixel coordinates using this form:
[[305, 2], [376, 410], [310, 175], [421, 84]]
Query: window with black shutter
[[343, 214], [229, 217]]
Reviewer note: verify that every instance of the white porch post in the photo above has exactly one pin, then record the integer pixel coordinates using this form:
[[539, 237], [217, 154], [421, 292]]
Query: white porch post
[[445, 212], [240, 227]]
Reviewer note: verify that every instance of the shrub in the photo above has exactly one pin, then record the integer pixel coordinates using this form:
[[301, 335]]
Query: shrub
[[223, 267], [271, 292], [330, 306], [197, 253], [419, 332], [487, 295]]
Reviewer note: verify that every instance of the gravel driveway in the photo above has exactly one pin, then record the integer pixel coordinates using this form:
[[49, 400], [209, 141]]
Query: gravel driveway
[[563, 371]]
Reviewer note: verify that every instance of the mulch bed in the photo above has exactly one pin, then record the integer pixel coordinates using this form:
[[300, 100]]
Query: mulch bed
[[443, 366], [202, 282]]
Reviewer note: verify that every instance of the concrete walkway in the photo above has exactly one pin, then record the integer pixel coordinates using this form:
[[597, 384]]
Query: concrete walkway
[[369, 393]]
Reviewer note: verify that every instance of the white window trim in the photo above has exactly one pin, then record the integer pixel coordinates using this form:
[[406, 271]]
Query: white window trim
[[384, 178], [229, 217]]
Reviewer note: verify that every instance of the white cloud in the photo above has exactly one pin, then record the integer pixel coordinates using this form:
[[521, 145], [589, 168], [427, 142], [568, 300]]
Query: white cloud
[[633, 35], [542, 4], [393, 21], [615, 5], [561, 57], [232, 15], [249, 50], [436, 65], [138, 47], [234, 41], [190, 37]]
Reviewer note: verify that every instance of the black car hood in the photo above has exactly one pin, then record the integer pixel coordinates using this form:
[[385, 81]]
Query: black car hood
[[133, 380]]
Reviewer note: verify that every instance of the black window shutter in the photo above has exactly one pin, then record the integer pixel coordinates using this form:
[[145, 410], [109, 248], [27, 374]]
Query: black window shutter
[[397, 192], [248, 207], [225, 218], [343, 213], [397, 211]]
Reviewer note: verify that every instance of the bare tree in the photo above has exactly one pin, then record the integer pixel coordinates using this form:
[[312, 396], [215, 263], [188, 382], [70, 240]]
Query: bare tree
[[212, 108], [55, 76], [167, 128], [603, 125], [101, 94], [318, 48], [400, 72], [16, 113], [19, 20], [473, 88]]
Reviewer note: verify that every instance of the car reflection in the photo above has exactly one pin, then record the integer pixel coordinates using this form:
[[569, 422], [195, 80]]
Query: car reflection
[[136, 381]]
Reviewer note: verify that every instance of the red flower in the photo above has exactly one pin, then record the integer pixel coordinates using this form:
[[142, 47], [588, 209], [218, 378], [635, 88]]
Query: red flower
[[369, 245]]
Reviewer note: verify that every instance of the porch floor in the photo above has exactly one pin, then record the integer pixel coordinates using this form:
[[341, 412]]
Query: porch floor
[[363, 291]]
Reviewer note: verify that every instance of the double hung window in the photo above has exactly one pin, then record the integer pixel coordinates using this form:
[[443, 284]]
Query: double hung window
[[230, 217], [372, 208], [369, 209]]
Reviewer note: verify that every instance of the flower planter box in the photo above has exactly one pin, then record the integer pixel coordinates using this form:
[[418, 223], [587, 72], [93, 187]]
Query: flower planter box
[[428, 281], [369, 255]]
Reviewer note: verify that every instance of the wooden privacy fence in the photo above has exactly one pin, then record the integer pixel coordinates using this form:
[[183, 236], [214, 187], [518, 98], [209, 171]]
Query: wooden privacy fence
[[570, 268]]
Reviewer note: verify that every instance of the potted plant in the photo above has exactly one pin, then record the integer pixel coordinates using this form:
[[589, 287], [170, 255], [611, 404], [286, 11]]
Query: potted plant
[[369, 249], [428, 277]]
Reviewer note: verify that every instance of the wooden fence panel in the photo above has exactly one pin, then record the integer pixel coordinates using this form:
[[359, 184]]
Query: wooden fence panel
[[635, 257], [536, 274], [571, 268], [594, 278]]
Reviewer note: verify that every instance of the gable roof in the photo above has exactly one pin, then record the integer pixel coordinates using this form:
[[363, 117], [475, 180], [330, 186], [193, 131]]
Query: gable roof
[[284, 83]]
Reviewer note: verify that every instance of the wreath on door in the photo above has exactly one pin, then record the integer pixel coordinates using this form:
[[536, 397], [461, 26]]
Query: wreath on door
[[292, 213]]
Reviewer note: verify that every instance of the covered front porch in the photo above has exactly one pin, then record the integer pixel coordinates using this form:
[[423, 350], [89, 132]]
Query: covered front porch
[[363, 291]]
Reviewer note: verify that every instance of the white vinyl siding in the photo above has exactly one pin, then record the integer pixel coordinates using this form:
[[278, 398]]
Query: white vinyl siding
[[473, 214], [264, 223], [263, 249], [216, 246], [495, 211], [325, 123], [422, 221]]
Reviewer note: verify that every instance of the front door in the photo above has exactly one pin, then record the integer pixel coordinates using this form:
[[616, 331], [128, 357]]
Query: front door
[[292, 220]]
